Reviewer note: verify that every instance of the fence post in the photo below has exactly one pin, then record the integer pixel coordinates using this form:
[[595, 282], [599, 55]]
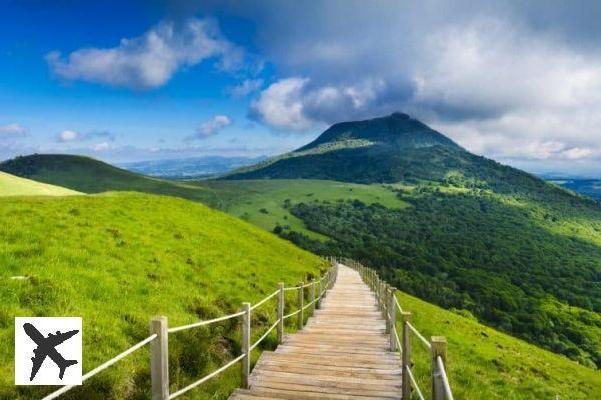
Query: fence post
[[439, 349], [406, 356], [245, 344], [280, 313], [312, 292], [159, 359], [318, 304], [392, 315], [301, 299], [385, 304]]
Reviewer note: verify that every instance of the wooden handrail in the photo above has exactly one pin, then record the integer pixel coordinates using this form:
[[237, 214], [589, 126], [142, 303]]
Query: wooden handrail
[[160, 333]]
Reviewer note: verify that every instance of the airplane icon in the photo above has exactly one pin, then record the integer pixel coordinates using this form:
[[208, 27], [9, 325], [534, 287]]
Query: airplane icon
[[46, 348]]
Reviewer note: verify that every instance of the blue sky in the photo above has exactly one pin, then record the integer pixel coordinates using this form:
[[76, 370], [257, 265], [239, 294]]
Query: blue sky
[[124, 81]]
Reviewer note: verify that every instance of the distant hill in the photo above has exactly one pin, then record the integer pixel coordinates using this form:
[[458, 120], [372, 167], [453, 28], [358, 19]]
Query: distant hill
[[587, 187], [88, 175], [11, 185], [188, 168], [119, 259]]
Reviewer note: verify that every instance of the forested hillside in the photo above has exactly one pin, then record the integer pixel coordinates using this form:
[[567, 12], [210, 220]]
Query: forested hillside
[[530, 270]]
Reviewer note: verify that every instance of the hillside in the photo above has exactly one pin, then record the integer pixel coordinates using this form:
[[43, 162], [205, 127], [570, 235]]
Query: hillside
[[119, 259], [487, 364], [88, 175], [11, 185]]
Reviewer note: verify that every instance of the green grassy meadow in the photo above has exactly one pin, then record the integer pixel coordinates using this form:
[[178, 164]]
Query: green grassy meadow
[[117, 260], [264, 202], [11, 185], [486, 364]]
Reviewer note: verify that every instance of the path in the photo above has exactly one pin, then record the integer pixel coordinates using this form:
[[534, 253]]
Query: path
[[342, 352]]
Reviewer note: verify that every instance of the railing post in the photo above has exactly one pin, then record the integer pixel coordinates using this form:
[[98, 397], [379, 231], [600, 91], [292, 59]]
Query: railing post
[[406, 356], [280, 313], [301, 299], [159, 359], [392, 315], [439, 349], [318, 304], [385, 304], [312, 292], [245, 345]]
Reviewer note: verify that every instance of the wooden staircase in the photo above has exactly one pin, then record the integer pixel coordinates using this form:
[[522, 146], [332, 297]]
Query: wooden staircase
[[342, 352]]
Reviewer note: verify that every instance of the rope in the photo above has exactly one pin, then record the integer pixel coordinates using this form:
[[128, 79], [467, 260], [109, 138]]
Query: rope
[[308, 304], [445, 379], [419, 335], [291, 314], [206, 378], [398, 342], [414, 383], [292, 288], [102, 367], [202, 323], [264, 335], [398, 306], [264, 300]]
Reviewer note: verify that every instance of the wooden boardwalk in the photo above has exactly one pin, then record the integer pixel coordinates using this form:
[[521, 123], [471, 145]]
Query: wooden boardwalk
[[342, 352]]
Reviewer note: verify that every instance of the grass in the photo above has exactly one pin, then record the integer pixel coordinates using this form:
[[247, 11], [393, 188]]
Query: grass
[[11, 185], [119, 259], [263, 202], [486, 364]]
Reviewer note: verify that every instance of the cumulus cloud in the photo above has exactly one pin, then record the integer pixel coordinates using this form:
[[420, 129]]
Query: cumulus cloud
[[12, 131], [150, 60], [211, 127], [514, 81]]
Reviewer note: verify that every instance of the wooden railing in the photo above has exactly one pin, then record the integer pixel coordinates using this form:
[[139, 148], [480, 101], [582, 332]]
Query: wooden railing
[[159, 337], [402, 343]]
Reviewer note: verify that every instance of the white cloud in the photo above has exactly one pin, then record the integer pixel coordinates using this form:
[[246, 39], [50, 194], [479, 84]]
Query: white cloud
[[102, 146], [211, 127], [12, 131], [68, 136], [150, 60], [245, 88], [281, 104]]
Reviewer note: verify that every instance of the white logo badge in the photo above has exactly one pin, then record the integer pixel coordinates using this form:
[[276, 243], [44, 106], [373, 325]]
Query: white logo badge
[[48, 351]]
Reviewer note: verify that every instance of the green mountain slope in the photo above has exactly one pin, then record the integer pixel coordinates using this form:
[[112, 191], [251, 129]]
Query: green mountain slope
[[521, 254], [11, 185], [486, 364], [87, 175], [119, 259]]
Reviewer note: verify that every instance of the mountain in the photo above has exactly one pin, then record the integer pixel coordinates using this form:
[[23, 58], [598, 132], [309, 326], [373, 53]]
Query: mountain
[[11, 185], [188, 168], [520, 254], [380, 150], [119, 259]]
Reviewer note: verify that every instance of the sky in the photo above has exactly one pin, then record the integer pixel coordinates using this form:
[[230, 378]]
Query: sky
[[517, 81]]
